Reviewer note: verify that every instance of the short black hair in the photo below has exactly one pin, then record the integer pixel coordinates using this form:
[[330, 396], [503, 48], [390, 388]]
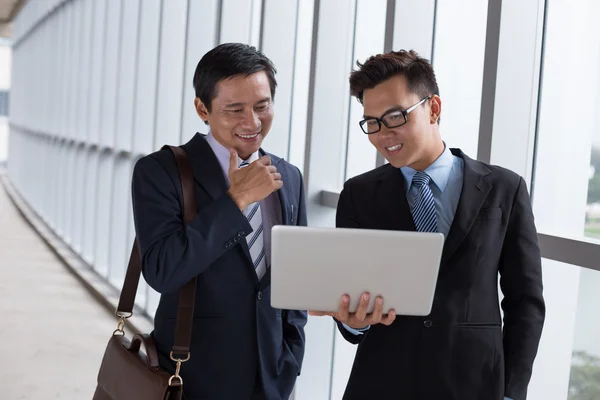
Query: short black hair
[[378, 68], [226, 61]]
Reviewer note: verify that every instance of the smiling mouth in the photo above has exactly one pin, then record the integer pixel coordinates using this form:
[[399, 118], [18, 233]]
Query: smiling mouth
[[249, 137], [394, 148]]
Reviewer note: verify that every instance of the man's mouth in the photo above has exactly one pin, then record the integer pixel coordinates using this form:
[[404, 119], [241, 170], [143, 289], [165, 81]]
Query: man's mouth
[[249, 137], [394, 148]]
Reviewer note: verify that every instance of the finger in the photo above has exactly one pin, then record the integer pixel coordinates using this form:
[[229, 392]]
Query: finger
[[271, 169], [276, 176], [361, 312], [265, 160], [344, 306], [389, 318], [277, 184], [377, 312], [233, 160], [321, 313]]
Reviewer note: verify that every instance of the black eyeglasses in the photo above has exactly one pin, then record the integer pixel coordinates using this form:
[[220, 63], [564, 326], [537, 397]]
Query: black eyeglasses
[[391, 119]]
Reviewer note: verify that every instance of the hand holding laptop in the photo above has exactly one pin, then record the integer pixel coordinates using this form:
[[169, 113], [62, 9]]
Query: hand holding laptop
[[360, 318]]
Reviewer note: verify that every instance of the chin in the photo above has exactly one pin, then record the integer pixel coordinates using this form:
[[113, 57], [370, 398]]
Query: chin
[[397, 162], [248, 148]]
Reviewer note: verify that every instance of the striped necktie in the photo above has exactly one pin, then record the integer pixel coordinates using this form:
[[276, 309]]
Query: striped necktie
[[423, 210], [255, 238]]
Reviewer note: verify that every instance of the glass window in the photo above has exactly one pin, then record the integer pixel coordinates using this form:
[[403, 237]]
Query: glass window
[[120, 246], [146, 75], [369, 34], [458, 58], [592, 216], [126, 71], [566, 188], [568, 362], [3, 103], [550, 378], [171, 67], [584, 379], [301, 85]]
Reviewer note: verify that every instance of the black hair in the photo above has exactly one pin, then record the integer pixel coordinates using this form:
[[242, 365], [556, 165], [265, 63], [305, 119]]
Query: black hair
[[378, 68], [226, 61]]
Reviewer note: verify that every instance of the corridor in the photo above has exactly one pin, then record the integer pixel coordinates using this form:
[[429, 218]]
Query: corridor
[[53, 331]]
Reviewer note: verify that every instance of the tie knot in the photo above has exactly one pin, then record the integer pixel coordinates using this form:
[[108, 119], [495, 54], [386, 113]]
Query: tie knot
[[244, 164], [420, 179]]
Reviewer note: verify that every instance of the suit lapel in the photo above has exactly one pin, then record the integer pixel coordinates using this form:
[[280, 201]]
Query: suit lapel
[[474, 192], [395, 210], [209, 174], [282, 196], [207, 170]]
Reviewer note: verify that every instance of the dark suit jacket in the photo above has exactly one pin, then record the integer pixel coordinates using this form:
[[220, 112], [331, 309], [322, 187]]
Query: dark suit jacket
[[238, 338], [459, 351]]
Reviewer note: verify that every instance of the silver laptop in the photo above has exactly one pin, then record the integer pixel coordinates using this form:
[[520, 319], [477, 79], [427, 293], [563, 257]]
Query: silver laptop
[[311, 268]]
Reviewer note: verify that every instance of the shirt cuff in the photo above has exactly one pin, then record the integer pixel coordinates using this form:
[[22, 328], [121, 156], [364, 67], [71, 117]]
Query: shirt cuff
[[356, 331]]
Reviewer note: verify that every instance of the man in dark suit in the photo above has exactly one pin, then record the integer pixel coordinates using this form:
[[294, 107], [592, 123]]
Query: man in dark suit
[[241, 347], [460, 351]]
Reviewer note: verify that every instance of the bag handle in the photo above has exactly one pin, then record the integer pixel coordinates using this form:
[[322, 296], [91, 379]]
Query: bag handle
[[187, 294]]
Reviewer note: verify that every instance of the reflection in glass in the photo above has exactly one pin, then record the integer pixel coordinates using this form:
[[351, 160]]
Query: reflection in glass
[[592, 215], [584, 379]]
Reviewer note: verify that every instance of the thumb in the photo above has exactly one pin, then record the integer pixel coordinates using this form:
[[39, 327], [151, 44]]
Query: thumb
[[233, 160]]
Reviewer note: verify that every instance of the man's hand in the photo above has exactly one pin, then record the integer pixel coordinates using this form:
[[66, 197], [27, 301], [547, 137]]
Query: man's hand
[[360, 318], [252, 183]]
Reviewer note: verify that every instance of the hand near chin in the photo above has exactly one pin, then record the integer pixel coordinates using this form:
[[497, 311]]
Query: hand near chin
[[360, 318], [254, 182]]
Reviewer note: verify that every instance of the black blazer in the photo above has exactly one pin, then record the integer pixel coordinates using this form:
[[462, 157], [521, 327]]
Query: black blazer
[[459, 351], [238, 338]]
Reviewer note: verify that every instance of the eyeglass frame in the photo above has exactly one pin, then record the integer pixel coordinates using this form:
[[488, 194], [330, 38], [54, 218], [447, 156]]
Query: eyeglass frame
[[381, 121]]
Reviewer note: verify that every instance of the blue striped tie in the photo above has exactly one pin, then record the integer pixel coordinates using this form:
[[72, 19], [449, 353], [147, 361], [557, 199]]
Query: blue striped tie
[[423, 210], [255, 238]]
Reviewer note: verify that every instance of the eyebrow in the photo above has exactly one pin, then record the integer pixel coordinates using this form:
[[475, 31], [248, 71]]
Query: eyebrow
[[241, 104], [393, 108]]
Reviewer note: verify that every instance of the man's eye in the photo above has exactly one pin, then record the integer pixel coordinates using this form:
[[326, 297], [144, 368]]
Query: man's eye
[[261, 108], [237, 110]]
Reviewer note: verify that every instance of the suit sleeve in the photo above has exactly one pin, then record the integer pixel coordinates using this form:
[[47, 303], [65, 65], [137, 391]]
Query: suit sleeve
[[346, 218], [523, 303], [172, 253], [295, 320]]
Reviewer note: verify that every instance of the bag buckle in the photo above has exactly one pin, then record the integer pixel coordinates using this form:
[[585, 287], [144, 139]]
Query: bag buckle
[[178, 361], [121, 324]]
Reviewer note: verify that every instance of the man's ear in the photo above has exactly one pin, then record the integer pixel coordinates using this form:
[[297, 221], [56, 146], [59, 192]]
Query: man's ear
[[436, 109], [201, 110]]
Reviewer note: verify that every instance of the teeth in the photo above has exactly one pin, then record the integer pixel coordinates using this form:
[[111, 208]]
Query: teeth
[[392, 148], [248, 136]]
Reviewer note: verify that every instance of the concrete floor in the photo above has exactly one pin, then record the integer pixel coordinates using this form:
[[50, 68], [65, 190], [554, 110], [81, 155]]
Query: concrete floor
[[52, 331]]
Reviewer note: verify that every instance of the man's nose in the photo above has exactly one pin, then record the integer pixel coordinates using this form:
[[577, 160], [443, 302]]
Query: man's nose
[[386, 132], [251, 122]]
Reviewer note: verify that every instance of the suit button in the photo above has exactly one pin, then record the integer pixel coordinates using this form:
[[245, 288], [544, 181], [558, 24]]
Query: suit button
[[427, 323], [259, 296]]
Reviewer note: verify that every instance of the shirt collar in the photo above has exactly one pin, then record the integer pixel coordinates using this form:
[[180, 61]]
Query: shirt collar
[[222, 154], [439, 170]]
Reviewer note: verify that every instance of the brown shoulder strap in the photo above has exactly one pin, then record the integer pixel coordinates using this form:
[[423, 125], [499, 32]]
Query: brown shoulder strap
[[187, 294]]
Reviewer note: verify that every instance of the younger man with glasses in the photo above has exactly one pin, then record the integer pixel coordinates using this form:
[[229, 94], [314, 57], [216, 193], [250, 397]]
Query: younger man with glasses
[[460, 351]]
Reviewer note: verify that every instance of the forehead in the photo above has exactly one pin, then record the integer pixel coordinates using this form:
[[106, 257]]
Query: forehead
[[392, 92], [243, 88]]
